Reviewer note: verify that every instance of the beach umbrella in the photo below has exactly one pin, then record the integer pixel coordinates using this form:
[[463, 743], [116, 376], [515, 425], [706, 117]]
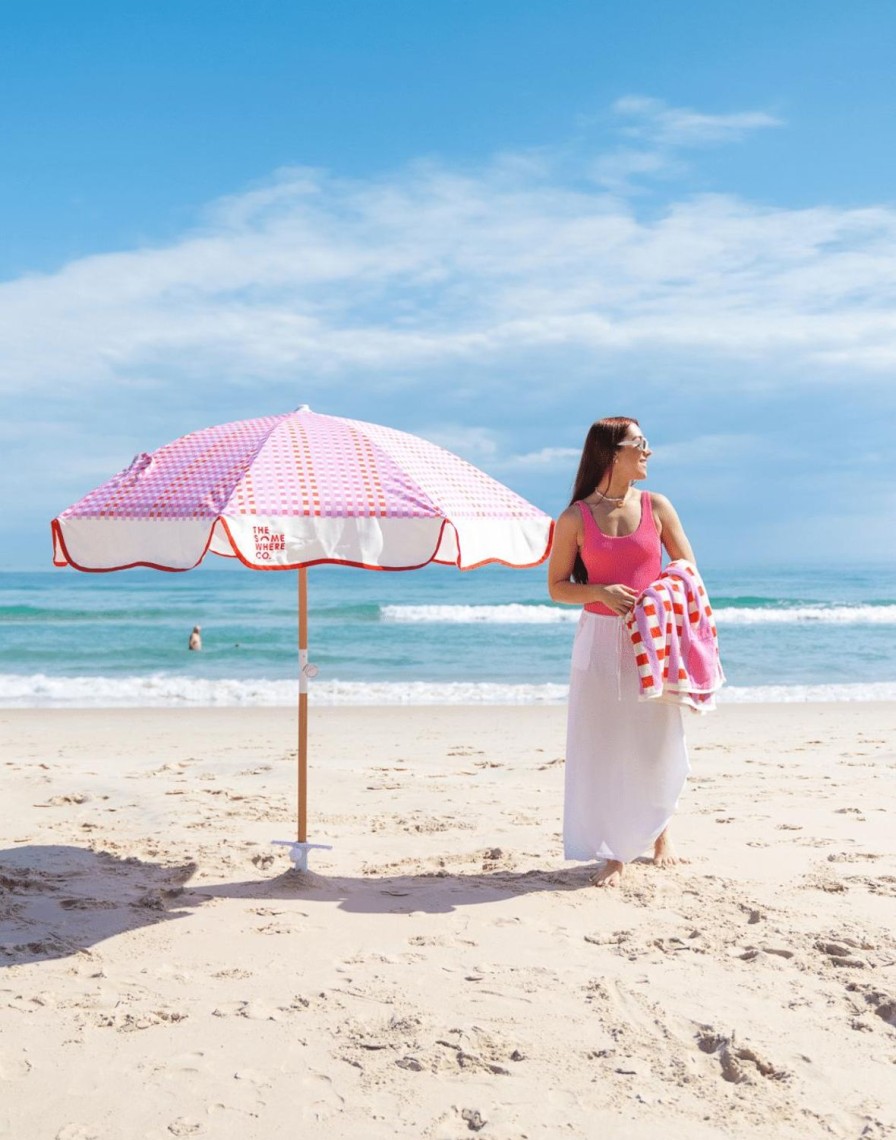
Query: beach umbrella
[[301, 489]]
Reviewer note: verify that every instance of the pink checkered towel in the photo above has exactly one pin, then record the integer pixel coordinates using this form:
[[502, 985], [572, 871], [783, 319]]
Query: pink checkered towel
[[675, 640]]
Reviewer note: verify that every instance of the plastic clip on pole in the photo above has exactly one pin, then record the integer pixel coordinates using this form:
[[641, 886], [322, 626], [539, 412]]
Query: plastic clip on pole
[[298, 852]]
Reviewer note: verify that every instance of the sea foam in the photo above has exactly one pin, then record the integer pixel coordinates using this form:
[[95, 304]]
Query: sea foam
[[516, 613], [177, 691]]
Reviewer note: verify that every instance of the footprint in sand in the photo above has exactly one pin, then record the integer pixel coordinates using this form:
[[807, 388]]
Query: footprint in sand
[[87, 904], [256, 1010], [272, 929], [738, 1063], [22, 879], [175, 767], [182, 1063], [884, 1005], [842, 953], [32, 1002], [318, 1098], [882, 885], [184, 1127], [824, 882], [253, 1077], [13, 1068], [495, 859], [135, 1022], [69, 798]]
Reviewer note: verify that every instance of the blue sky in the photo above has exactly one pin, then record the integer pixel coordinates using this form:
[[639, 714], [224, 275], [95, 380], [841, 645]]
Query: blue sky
[[485, 221]]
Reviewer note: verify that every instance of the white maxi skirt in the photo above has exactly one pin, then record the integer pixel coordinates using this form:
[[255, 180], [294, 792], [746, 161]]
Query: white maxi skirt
[[626, 759]]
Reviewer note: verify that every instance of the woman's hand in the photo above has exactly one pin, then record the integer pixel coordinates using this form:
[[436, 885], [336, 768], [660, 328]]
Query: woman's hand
[[620, 599]]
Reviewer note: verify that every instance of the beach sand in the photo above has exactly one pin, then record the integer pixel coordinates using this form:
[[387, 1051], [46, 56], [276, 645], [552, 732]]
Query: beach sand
[[441, 972]]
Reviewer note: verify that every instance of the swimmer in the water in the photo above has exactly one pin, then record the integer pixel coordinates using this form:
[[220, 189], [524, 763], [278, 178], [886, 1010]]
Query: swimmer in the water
[[195, 641]]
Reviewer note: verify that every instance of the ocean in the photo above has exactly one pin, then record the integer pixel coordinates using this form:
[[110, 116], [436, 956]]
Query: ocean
[[431, 636]]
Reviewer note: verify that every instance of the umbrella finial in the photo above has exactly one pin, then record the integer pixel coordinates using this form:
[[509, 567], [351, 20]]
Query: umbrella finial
[[303, 408]]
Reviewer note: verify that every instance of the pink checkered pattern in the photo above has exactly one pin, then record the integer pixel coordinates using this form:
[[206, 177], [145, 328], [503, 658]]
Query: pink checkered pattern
[[675, 641], [301, 464]]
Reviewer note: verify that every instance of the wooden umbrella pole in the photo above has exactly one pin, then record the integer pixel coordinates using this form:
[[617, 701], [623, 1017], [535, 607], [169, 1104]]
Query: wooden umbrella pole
[[303, 707], [300, 847]]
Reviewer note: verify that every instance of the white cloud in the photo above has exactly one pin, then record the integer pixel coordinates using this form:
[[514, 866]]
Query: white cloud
[[657, 122], [476, 444], [657, 134], [492, 309], [617, 170], [720, 449], [429, 268], [546, 458]]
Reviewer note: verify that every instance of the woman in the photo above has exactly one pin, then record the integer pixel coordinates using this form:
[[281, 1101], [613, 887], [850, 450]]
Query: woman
[[626, 760]]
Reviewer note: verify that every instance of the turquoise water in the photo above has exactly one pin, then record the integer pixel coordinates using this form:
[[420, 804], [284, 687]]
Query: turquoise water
[[427, 635]]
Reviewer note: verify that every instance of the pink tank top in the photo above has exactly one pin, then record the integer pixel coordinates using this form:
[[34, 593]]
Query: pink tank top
[[634, 560]]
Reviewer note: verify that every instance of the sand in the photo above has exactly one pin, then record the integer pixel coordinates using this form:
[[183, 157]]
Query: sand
[[441, 972]]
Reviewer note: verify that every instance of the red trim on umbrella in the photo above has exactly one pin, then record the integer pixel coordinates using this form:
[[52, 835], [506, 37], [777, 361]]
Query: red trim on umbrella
[[56, 531], [58, 537]]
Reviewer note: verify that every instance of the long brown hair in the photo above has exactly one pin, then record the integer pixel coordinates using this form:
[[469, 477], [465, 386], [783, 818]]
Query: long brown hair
[[601, 443]]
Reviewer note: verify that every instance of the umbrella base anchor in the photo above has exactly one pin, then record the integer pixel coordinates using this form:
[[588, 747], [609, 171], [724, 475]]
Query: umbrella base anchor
[[298, 851]]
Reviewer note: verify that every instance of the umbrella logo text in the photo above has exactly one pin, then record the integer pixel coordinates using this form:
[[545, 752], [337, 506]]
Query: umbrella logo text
[[267, 542]]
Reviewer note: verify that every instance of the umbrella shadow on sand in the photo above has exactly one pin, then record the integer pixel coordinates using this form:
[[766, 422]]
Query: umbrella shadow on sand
[[56, 900], [429, 893]]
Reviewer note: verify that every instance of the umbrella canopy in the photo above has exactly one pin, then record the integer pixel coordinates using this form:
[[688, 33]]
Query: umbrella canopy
[[295, 490]]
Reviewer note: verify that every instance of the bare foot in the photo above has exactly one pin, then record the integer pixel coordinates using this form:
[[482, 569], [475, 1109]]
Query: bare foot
[[610, 874], [664, 854]]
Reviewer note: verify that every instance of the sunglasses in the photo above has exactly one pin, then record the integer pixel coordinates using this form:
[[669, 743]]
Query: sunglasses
[[640, 443]]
